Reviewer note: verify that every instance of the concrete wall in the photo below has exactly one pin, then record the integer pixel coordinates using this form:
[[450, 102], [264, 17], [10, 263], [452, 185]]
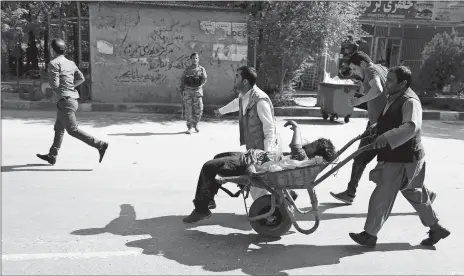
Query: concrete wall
[[138, 53]]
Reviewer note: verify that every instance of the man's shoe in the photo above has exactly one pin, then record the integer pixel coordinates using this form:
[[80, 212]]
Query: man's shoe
[[212, 204], [435, 236], [196, 129], [364, 239], [343, 197], [189, 131], [102, 151], [196, 216], [47, 157], [432, 196]]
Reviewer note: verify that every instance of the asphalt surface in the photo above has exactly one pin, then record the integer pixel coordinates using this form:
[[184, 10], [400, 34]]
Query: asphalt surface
[[123, 216]]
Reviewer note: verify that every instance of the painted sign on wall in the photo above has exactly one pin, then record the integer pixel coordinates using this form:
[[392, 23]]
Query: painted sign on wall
[[412, 10], [449, 11], [224, 30], [436, 11]]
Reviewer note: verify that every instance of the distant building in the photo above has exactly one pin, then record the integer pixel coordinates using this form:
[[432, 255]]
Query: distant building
[[399, 30]]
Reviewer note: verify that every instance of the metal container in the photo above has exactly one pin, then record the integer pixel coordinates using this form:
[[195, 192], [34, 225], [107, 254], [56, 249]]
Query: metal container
[[334, 100]]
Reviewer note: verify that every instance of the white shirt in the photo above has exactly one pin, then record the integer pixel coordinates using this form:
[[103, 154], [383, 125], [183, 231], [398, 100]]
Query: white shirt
[[264, 114]]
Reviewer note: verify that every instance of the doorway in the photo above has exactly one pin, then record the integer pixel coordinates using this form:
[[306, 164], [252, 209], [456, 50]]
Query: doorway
[[387, 51]]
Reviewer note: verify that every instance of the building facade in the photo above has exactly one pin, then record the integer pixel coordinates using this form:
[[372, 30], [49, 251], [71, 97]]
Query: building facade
[[398, 32], [139, 51]]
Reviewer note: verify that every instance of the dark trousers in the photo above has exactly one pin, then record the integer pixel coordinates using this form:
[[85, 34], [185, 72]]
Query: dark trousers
[[359, 164], [225, 164], [66, 120]]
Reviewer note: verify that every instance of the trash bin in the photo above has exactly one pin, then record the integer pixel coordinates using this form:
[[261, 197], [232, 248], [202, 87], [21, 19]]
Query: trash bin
[[335, 100]]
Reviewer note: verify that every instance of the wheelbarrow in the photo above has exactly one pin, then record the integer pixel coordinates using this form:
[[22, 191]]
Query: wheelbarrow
[[273, 215]]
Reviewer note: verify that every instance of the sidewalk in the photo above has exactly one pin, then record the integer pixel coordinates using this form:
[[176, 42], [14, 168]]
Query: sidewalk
[[294, 111]]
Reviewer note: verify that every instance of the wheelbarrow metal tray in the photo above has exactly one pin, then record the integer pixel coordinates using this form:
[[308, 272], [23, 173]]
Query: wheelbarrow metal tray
[[297, 178]]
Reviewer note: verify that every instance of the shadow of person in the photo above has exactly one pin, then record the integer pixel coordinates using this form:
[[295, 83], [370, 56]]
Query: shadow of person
[[27, 168], [146, 133], [127, 224], [251, 253]]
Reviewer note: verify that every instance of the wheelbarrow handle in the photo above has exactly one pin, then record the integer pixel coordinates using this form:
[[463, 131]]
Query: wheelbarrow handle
[[342, 150], [342, 163]]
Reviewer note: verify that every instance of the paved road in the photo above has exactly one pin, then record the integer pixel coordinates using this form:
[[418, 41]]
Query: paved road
[[123, 216]]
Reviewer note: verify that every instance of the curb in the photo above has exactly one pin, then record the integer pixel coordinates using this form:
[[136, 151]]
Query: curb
[[295, 111]]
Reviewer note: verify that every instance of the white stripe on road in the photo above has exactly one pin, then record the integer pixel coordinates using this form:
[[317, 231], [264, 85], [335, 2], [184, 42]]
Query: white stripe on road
[[71, 255]]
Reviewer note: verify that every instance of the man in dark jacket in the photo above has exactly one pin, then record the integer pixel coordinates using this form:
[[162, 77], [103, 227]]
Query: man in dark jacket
[[401, 163]]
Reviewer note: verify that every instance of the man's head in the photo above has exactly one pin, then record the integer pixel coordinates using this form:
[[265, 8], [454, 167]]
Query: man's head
[[398, 79], [58, 46], [245, 79], [358, 62], [195, 58], [321, 147]]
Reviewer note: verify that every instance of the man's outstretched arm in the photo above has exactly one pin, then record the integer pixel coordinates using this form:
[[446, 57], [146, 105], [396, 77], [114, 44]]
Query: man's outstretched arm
[[233, 106]]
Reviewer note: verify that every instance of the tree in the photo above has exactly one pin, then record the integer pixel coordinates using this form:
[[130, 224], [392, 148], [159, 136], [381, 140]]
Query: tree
[[23, 23], [442, 63], [291, 33], [14, 24]]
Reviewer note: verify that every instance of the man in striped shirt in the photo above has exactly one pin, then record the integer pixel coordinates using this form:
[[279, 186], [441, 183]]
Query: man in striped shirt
[[237, 163]]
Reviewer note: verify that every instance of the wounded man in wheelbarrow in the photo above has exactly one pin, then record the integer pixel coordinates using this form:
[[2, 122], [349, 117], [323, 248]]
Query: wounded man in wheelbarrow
[[237, 164]]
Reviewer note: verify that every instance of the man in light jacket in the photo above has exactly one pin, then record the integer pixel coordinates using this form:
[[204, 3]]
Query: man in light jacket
[[256, 122]]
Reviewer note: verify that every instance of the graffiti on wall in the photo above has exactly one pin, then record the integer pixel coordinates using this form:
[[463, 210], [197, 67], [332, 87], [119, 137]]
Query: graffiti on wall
[[143, 51], [118, 20]]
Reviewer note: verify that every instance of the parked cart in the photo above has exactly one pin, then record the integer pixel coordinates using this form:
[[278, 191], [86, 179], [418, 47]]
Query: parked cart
[[335, 100]]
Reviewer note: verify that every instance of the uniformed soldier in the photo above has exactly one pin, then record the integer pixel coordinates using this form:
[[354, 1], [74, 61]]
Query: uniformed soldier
[[192, 82]]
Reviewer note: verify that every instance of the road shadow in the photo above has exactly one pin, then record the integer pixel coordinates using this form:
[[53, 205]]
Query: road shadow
[[329, 216], [105, 119], [443, 129], [251, 253], [147, 134], [316, 121], [27, 168]]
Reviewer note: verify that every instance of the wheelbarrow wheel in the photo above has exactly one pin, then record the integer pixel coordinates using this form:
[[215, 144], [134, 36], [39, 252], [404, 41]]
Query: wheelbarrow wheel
[[273, 226]]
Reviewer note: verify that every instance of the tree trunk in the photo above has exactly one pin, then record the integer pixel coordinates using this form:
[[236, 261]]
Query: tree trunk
[[283, 71], [79, 33], [260, 37], [32, 53], [11, 63], [46, 51], [17, 66], [60, 21]]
